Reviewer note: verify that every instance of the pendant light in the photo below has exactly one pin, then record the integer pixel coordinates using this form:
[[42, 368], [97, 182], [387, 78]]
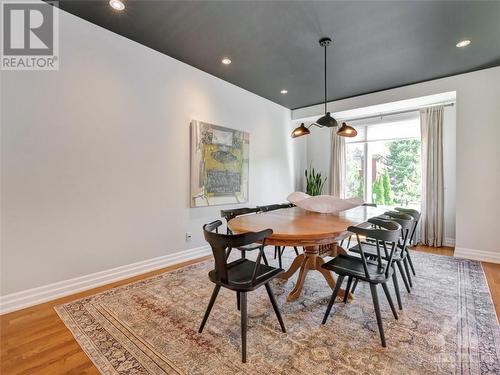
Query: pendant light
[[327, 120], [300, 131], [347, 131]]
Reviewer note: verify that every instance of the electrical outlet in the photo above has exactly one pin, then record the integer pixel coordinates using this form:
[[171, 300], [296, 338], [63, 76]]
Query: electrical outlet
[[189, 235]]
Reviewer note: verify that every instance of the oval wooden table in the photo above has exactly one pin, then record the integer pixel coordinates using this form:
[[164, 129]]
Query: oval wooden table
[[319, 234]]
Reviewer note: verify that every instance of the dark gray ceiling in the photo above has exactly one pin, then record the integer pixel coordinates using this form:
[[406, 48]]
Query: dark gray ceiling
[[274, 44]]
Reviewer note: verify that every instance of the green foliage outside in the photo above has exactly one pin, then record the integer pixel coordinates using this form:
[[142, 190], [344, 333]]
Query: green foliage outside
[[388, 195], [360, 192], [398, 176], [378, 196], [382, 190], [403, 167]]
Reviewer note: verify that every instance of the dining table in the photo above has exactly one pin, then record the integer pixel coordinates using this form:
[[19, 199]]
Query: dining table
[[319, 234]]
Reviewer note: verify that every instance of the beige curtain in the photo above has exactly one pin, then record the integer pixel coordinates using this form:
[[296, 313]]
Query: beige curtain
[[431, 228], [337, 166]]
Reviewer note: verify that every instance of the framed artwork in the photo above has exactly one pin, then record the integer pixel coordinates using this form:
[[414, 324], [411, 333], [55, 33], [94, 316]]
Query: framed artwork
[[219, 165]]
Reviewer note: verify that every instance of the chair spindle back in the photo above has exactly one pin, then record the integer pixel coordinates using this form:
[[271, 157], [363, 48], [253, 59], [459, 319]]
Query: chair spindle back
[[220, 243]]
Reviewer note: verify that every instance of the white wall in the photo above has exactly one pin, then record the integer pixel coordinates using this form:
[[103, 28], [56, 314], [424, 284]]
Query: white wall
[[318, 151], [95, 156], [477, 151]]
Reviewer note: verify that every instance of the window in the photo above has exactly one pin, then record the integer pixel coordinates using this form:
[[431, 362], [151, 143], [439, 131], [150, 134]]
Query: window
[[355, 170], [383, 161]]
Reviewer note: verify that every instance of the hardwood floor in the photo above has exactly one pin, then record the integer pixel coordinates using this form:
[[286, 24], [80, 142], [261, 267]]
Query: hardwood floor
[[35, 341], [492, 272]]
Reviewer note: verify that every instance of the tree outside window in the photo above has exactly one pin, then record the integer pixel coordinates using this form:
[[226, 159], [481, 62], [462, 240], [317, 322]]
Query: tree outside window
[[383, 163], [396, 175]]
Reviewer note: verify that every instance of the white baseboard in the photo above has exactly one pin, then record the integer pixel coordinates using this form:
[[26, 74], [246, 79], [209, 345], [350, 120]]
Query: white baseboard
[[35, 296], [484, 256]]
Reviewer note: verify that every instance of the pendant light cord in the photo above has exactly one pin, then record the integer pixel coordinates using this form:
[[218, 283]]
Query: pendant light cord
[[325, 80]]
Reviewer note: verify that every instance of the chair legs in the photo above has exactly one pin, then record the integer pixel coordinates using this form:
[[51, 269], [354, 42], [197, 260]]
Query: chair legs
[[209, 308], [348, 242], [403, 276], [264, 258], [348, 287], [373, 289], [411, 263], [396, 289], [244, 319], [332, 300], [354, 286], [389, 299], [241, 303], [278, 252], [275, 307], [405, 263]]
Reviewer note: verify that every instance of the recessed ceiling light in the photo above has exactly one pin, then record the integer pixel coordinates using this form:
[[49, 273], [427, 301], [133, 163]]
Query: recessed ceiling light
[[226, 61], [284, 92], [463, 43], [116, 4]]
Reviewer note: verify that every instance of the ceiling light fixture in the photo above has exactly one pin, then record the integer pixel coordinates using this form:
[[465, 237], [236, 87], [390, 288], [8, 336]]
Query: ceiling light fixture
[[300, 131], [116, 4], [284, 92], [226, 61], [327, 120], [347, 131], [463, 43]]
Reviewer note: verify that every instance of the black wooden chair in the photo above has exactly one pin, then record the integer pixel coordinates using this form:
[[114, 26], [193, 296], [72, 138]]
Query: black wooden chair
[[348, 238], [416, 217], [370, 250], [374, 272], [278, 250], [406, 260], [231, 214], [242, 275], [272, 207], [287, 205]]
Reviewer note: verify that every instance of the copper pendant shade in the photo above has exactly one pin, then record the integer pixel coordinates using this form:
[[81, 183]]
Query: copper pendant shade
[[347, 131], [300, 131], [327, 120]]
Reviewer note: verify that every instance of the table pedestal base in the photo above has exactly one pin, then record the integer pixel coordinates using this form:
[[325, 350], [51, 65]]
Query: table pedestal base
[[312, 259]]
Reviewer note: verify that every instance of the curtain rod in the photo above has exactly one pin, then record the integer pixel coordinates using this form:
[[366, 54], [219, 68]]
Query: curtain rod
[[383, 114]]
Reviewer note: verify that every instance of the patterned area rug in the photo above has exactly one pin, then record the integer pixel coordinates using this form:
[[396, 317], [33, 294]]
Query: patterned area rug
[[448, 326]]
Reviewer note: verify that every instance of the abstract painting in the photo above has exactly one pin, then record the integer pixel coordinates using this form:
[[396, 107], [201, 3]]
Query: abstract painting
[[219, 165]]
